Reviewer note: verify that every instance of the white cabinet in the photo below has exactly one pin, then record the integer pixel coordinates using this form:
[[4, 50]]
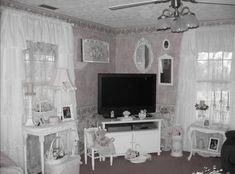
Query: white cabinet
[[122, 142], [148, 140], [145, 133]]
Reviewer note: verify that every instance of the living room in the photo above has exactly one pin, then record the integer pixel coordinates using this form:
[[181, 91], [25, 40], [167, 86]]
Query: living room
[[201, 72]]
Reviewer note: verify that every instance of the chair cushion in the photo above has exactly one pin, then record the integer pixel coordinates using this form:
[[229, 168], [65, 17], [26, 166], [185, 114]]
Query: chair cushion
[[230, 135]]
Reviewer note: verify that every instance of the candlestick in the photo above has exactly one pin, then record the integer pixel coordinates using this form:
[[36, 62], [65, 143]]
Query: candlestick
[[221, 96], [214, 98]]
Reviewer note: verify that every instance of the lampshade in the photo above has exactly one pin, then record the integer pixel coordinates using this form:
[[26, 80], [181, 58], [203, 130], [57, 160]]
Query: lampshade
[[178, 25], [164, 22], [62, 80], [190, 20], [178, 18]]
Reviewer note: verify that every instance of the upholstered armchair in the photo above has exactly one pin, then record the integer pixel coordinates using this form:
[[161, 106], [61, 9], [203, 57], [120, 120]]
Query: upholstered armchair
[[228, 153]]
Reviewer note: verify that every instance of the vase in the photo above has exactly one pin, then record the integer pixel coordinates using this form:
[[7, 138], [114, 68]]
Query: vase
[[201, 115], [177, 146]]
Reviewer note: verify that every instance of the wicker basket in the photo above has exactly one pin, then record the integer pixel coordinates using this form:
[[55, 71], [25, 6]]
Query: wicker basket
[[56, 153], [137, 155]]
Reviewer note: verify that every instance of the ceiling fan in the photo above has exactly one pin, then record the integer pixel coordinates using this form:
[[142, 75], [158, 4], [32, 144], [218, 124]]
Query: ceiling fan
[[177, 17], [174, 3]]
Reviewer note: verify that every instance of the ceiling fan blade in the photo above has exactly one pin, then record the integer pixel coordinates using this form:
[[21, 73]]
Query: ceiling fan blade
[[118, 7], [211, 3]]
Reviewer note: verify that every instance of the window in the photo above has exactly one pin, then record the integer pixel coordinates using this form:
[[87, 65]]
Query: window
[[213, 79], [40, 61], [40, 69]]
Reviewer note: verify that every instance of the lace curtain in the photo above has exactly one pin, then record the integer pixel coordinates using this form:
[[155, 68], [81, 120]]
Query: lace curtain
[[211, 80], [40, 62], [17, 27], [215, 48], [40, 70]]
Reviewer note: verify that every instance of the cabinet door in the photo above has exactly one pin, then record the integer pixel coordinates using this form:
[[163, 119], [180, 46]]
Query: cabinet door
[[122, 141], [149, 140]]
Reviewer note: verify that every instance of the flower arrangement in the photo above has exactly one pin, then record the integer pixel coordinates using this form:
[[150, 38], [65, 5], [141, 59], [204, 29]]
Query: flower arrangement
[[201, 106]]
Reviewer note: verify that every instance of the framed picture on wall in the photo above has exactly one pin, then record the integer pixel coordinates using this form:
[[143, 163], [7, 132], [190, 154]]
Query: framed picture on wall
[[95, 51], [213, 144], [67, 113]]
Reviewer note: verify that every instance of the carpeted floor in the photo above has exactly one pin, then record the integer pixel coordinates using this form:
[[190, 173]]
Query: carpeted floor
[[163, 164]]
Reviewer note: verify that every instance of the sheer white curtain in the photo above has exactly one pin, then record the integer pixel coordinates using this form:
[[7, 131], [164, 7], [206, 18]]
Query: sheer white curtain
[[232, 86], [215, 47], [196, 44], [186, 93], [16, 28]]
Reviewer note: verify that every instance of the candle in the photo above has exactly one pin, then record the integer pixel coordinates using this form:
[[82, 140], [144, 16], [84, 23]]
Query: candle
[[228, 99], [202, 102], [40, 107], [221, 95], [30, 88]]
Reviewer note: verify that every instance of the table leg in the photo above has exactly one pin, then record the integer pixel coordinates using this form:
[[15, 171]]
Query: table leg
[[41, 140], [25, 153], [190, 156], [191, 144]]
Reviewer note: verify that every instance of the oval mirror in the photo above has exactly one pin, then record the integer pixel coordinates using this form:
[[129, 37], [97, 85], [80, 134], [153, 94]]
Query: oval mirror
[[166, 44], [143, 55]]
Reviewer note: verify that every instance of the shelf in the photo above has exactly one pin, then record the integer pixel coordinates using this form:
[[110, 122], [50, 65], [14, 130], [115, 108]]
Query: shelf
[[50, 128], [135, 120], [206, 151]]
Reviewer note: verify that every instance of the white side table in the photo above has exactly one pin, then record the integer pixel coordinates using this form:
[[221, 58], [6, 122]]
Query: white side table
[[213, 129], [41, 132]]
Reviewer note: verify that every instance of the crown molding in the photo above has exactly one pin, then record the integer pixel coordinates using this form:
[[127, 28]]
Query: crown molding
[[100, 27], [153, 28], [217, 22], [69, 19]]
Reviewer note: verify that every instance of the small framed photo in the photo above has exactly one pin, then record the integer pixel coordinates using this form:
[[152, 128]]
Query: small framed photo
[[213, 144], [67, 113], [206, 123]]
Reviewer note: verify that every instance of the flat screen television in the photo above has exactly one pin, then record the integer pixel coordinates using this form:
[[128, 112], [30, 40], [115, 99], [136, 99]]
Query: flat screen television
[[126, 92]]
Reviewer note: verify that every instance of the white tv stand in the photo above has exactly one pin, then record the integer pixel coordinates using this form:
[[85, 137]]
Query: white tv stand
[[128, 134]]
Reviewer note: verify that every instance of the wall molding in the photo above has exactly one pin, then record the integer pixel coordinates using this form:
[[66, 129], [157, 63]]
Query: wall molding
[[69, 19], [153, 28], [100, 27]]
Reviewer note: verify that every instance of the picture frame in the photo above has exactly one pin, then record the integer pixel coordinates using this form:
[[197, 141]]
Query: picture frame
[[67, 112], [206, 123], [95, 51], [213, 144]]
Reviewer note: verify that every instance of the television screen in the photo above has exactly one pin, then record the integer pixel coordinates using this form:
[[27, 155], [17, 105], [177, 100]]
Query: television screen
[[121, 92]]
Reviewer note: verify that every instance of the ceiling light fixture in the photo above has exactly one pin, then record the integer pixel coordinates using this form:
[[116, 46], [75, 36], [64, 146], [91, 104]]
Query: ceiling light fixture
[[177, 17]]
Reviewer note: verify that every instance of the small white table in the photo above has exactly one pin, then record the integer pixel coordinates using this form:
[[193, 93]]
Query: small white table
[[41, 132], [207, 130]]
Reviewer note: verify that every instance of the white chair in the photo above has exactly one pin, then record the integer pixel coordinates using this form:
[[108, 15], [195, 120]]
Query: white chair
[[90, 150]]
